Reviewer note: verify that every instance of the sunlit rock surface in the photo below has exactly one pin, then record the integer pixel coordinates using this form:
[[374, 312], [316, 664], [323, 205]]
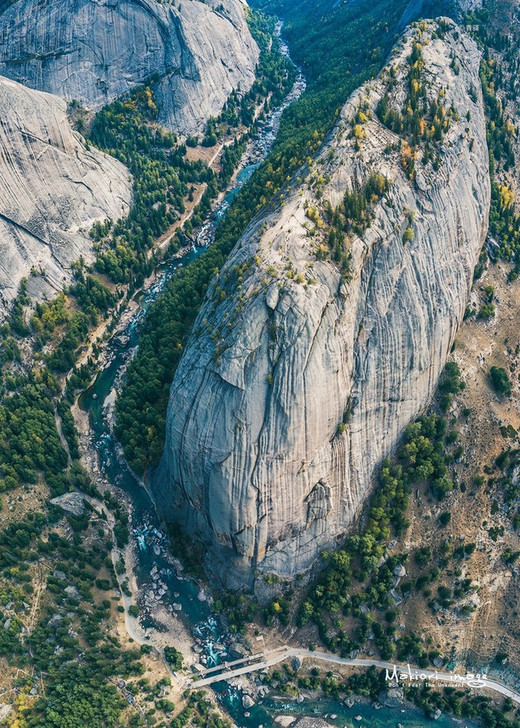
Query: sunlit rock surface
[[96, 50], [52, 190], [296, 383]]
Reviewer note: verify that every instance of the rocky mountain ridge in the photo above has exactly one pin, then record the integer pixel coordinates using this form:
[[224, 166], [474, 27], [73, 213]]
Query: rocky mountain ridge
[[94, 51], [302, 371], [52, 190]]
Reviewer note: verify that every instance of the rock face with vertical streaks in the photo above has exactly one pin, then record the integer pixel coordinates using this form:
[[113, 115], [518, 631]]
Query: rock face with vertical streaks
[[298, 377], [96, 50], [52, 190]]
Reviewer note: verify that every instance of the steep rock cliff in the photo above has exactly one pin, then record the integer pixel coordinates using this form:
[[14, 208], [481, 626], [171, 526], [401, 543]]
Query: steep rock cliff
[[52, 190], [297, 378], [96, 50]]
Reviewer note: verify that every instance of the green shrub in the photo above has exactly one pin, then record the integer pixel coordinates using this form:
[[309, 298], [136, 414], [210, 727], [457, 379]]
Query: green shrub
[[445, 518], [173, 657], [500, 381]]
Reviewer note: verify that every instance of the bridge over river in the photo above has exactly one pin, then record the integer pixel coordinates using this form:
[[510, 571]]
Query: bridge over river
[[405, 673]]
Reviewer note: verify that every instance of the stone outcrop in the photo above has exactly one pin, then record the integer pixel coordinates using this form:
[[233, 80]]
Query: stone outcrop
[[52, 190], [312, 722], [298, 379], [96, 50], [467, 5]]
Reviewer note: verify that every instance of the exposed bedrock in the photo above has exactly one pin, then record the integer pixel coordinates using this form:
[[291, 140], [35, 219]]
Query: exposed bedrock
[[96, 50], [297, 380], [52, 190]]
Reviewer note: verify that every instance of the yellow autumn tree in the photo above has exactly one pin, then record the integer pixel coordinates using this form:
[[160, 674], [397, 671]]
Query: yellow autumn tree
[[506, 196]]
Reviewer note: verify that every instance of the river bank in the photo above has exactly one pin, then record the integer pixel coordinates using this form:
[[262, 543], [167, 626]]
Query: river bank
[[174, 611]]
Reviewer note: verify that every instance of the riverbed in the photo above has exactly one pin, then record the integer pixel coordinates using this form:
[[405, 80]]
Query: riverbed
[[360, 714]]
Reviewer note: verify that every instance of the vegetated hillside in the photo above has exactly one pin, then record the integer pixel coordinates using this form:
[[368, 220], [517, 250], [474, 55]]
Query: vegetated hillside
[[196, 52], [338, 49], [470, 608], [327, 329], [470, 539], [52, 190]]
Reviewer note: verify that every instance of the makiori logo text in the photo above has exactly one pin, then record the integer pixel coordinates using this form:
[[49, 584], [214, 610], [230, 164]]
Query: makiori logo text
[[409, 675]]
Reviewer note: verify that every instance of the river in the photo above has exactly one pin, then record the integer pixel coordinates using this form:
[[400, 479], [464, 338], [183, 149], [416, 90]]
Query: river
[[159, 577]]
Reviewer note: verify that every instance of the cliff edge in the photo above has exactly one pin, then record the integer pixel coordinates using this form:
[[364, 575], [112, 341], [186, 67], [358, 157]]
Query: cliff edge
[[325, 333]]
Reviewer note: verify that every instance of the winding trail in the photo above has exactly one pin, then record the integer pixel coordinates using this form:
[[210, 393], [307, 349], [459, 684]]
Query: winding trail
[[167, 236], [406, 673]]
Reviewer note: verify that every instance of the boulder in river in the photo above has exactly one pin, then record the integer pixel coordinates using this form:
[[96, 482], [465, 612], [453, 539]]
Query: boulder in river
[[392, 698], [247, 701]]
